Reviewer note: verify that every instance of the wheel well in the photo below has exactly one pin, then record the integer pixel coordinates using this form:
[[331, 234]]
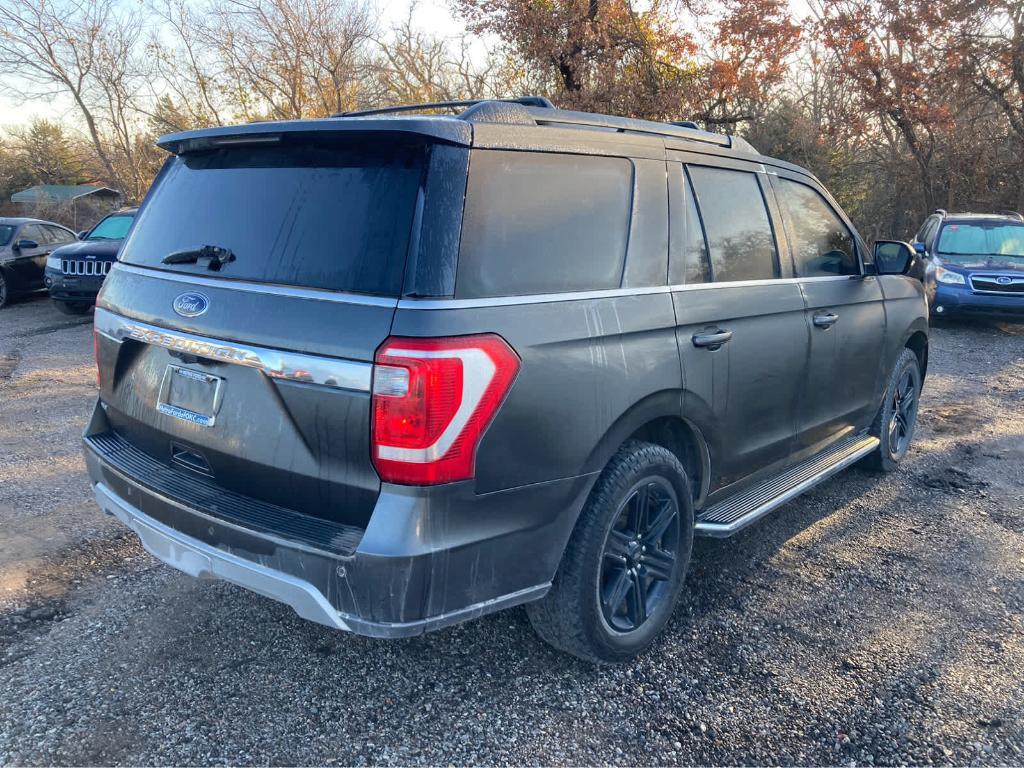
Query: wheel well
[[686, 442], [918, 344]]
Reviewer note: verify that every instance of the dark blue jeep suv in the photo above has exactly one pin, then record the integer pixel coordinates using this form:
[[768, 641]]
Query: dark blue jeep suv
[[974, 264], [75, 272]]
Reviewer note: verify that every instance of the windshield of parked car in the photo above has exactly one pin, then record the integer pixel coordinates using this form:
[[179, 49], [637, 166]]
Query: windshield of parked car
[[112, 228], [994, 241], [6, 233], [336, 215]]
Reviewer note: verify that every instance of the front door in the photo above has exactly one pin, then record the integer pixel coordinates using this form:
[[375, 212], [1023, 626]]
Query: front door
[[29, 263], [845, 316]]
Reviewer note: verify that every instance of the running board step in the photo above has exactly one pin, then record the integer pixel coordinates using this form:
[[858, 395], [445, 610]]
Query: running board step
[[733, 514]]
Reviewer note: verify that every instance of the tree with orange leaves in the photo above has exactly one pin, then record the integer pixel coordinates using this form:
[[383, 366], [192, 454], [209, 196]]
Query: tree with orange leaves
[[899, 58], [604, 55]]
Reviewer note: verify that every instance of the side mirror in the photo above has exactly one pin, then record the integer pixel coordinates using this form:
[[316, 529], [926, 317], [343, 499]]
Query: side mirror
[[25, 245], [82, 235], [919, 248], [893, 257]]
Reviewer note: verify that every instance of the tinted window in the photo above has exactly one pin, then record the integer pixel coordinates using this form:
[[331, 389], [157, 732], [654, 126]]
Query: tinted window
[[6, 233], [112, 228], [691, 264], [740, 238], [543, 223], [323, 216], [821, 243]]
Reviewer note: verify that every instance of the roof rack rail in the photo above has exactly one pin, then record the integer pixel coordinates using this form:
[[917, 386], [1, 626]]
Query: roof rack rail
[[526, 101], [1012, 214], [635, 125], [540, 111], [941, 212]]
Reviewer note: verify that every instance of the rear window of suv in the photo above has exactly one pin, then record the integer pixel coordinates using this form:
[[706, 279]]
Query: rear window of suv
[[543, 223], [335, 217]]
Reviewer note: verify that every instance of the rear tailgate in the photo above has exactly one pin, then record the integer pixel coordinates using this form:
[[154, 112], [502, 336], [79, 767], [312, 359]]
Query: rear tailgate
[[256, 375]]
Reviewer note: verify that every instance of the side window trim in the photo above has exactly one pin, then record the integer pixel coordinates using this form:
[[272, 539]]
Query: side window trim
[[688, 190], [931, 230], [779, 232], [771, 212], [826, 198]]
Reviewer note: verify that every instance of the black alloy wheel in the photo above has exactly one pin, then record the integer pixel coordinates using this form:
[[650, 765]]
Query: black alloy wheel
[[639, 561], [903, 414]]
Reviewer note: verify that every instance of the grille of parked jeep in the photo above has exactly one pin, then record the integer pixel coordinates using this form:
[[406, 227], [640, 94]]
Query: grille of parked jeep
[[86, 268], [997, 284], [210, 499]]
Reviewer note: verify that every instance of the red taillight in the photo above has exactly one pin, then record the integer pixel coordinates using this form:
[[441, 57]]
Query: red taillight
[[96, 355], [432, 401]]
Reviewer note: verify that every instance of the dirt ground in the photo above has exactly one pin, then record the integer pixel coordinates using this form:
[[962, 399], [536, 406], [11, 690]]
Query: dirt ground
[[876, 620]]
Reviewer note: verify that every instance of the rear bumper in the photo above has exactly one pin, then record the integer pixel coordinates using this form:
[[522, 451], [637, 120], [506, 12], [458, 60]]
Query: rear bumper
[[963, 302], [426, 560]]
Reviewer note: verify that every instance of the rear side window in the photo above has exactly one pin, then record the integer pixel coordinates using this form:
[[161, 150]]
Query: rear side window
[[821, 243], [329, 216], [543, 223], [740, 238], [58, 235], [34, 233]]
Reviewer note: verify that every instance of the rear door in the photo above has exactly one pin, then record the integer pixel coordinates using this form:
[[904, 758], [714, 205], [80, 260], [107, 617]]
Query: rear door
[[845, 316], [253, 370], [740, 328]]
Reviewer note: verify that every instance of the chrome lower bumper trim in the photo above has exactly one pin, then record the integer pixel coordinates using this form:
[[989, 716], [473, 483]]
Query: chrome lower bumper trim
[[203, 561]]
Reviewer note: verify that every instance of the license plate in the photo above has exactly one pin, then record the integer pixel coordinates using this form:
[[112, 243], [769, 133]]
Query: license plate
[[189, 395]]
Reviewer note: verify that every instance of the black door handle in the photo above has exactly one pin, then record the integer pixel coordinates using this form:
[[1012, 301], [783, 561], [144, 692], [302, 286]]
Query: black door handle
[[826, 319], [712, 339]]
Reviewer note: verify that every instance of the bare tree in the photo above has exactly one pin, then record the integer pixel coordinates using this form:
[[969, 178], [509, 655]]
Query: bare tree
[[88, 50], [412, 66], [189, 93], [283, 59], [992, 43]]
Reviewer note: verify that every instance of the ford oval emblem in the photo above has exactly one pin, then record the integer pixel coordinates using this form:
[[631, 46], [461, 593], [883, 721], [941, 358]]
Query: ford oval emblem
[[191, 304], [1003, 280]]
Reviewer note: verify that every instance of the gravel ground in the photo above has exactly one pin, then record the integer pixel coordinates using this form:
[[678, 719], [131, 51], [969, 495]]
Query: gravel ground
[[874, 620]]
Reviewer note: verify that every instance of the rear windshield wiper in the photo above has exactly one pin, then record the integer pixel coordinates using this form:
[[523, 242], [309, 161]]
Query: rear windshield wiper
[[218, 256]]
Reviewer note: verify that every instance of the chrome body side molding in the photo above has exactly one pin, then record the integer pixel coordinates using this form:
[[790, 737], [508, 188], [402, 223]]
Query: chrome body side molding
[[275, 363]]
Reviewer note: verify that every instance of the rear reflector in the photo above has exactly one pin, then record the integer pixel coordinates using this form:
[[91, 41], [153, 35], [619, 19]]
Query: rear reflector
[[432, 401]]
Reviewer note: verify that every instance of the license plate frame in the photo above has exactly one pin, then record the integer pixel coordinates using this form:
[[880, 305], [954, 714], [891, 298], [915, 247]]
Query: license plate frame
[[190, 395]]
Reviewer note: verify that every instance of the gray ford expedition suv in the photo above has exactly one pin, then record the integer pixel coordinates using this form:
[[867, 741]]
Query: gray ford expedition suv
[[402, 371]]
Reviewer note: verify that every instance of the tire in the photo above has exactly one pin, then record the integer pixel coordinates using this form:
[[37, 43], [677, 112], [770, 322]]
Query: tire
[[607, 557], [5, 290], [73, 307], [897, 416]]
